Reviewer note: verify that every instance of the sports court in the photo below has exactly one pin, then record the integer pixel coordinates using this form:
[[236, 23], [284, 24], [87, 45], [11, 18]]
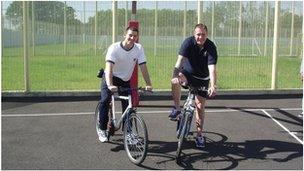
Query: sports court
[[56, 47], [241, 134]]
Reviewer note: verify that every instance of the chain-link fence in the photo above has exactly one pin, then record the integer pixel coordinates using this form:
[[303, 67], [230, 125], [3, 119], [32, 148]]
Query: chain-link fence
[[58, 45]]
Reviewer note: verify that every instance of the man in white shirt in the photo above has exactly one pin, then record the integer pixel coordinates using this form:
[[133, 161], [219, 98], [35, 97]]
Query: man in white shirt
[[121, 59]]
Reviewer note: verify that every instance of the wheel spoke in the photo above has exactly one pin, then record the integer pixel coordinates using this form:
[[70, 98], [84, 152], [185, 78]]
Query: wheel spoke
[[135, 138]]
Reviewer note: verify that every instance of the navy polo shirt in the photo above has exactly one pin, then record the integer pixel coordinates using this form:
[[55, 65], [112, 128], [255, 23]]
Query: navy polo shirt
[[199, 59]]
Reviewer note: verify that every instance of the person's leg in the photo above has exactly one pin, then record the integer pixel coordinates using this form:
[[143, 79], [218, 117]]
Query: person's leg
[[125, 84], [200, 102], [199, 114], [124, 103], [200, 117], [104, 106], [176, 95], [103, 112], [176, 90]]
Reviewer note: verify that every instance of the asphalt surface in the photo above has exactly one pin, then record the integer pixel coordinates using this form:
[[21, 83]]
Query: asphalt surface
[[264, 134]]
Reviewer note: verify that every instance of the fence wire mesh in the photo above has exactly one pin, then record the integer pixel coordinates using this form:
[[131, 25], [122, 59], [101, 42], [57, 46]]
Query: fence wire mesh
[[67, 41]]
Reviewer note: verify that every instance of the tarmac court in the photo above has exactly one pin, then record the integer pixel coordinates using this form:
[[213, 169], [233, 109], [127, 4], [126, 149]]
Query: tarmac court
[[259, 134]]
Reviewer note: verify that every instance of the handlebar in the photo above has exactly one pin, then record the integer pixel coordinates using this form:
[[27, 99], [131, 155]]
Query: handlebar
[[124, 89], [129, 90]]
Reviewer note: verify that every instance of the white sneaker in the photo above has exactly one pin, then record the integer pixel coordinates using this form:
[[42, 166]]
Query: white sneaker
[[102, 136]]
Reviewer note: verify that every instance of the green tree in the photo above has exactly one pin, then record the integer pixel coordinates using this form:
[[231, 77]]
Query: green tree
[[46, 11]]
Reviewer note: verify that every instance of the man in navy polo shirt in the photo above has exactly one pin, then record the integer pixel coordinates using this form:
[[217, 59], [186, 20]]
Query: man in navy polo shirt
[[196, 66]]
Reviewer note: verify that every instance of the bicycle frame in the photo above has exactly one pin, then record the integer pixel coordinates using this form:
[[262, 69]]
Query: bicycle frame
[[185, 120], [189, 106], [129, 107], [135, 134], [188, 109], [189, 102]]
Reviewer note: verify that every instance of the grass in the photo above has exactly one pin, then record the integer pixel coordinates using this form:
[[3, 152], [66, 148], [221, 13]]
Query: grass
[[49, 69]]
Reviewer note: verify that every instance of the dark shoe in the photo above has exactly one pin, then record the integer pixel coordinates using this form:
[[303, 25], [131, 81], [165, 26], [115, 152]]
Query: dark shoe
[[173, 115], [200, 142]]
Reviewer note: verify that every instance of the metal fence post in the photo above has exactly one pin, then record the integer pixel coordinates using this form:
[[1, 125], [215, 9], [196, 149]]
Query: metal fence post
[[33, 27], [26, 46], [114, 22], [95, 24], [292, 28], [64, 30], [240, 29], [185, 20], [275, 45], [155, 27], [2, 28], [266, 29], [212, 22], [83, 25], [198, 11]]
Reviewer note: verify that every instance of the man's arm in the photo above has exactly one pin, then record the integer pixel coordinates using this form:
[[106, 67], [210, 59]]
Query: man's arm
[[213, 78], [176, 71], [177, 66], [109, 76], [145, 73]]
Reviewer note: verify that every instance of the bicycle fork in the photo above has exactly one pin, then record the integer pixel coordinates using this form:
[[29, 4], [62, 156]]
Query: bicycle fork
[[183, 120]]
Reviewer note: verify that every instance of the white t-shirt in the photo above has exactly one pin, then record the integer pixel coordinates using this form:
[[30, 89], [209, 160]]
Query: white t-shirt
[[125, 60]]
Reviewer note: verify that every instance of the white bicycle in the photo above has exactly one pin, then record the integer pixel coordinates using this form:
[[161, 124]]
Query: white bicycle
[[135, 134]]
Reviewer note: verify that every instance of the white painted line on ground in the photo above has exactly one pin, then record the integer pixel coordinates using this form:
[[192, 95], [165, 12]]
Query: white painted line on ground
[[139, 111], [47, 114], [223, 110], [287, 109], [282, 126]]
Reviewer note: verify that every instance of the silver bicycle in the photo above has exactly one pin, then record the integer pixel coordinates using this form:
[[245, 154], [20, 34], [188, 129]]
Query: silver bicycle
[[135, 134], [185, 118]]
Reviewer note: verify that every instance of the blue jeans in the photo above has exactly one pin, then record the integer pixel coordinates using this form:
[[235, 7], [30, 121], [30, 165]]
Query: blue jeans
[[106, 99]]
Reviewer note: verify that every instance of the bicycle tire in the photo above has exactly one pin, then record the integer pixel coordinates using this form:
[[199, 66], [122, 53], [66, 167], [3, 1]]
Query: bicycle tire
[[97, 126], [182, 135], [135, 137]]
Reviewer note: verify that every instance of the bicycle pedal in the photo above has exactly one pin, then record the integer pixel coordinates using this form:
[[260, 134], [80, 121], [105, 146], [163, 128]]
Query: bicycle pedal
[[111, 129], [190, 133]]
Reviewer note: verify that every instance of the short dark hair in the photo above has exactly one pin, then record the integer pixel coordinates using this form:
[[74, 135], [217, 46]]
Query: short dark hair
[[132, 28], [201, 25]]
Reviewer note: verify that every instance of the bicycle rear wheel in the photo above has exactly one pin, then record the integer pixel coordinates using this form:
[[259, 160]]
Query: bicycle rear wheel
[[135, 138], [182, 134], [97, 126]]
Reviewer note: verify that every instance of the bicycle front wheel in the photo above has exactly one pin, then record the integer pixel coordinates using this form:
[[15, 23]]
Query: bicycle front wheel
[[182, 134], [135, 138]]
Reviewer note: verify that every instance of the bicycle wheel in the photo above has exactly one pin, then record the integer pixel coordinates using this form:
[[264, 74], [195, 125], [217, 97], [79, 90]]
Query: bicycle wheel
[[182, 134], [135, 138], [97, 118]]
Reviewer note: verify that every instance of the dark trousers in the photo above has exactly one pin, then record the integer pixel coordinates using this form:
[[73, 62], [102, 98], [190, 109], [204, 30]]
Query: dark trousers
[[106, 99]]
